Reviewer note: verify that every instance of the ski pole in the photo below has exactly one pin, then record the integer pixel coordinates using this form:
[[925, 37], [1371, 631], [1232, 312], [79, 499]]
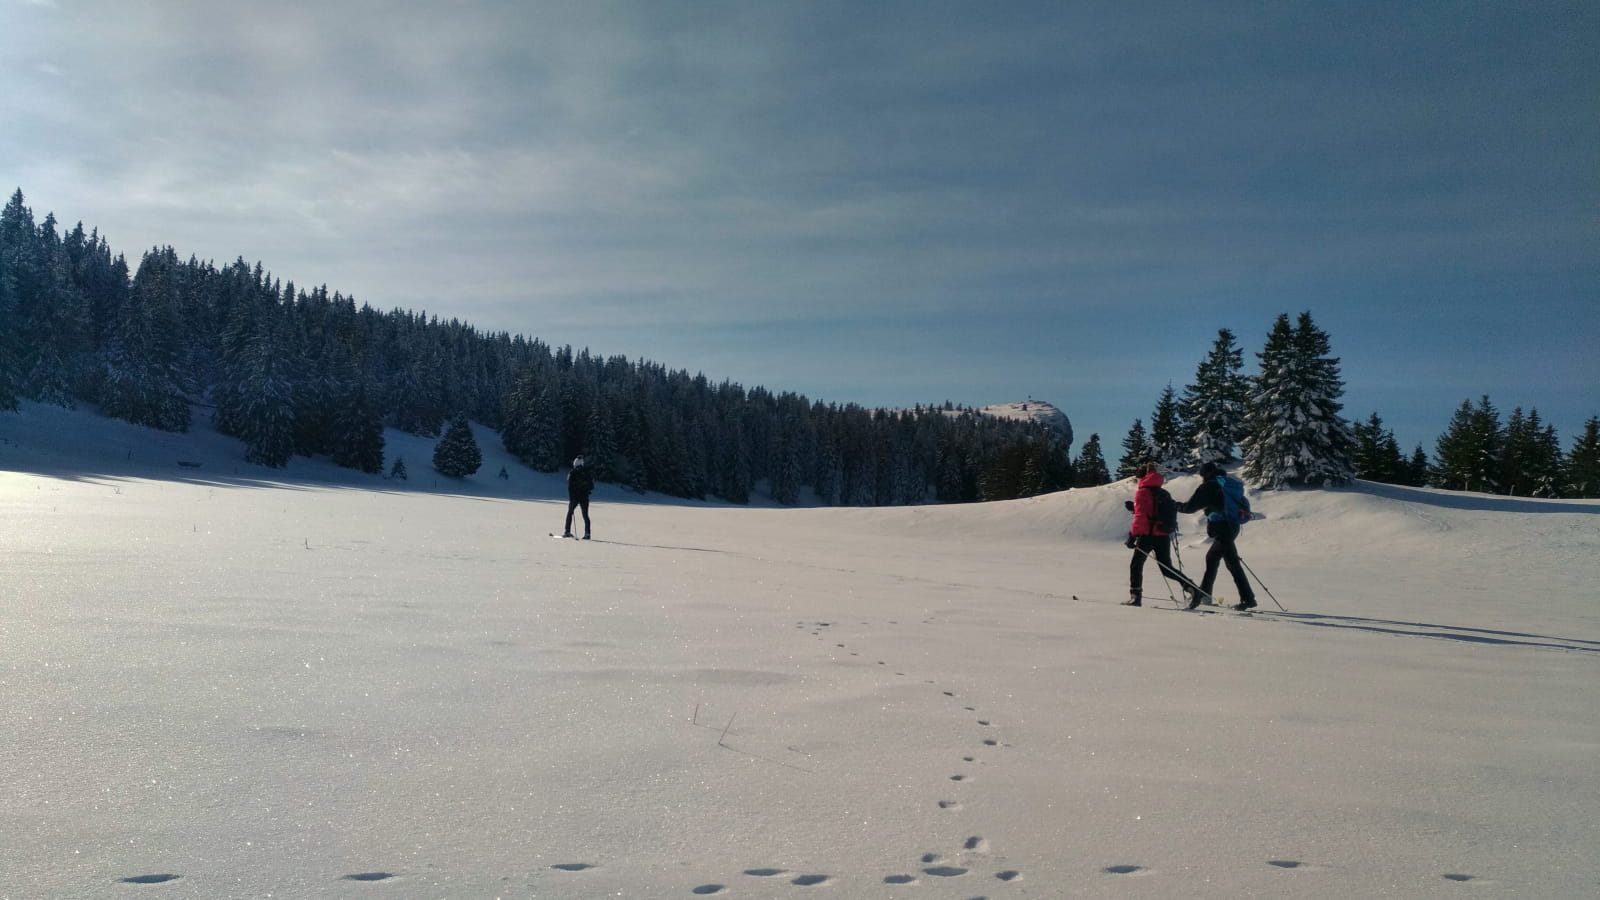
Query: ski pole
[[1177, 554], [1163, 569], [1260, 582]]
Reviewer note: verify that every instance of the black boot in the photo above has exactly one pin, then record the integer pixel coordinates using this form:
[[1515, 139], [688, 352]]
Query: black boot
[[1133, 600]]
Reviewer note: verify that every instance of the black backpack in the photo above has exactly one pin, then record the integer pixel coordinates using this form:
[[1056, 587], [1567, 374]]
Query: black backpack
[[1166, 517]]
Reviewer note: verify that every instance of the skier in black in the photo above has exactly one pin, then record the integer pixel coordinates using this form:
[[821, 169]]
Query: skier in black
[[580, 484], [1208, 498]]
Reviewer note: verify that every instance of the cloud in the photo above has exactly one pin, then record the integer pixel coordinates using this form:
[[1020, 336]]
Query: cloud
[[1006, 182]]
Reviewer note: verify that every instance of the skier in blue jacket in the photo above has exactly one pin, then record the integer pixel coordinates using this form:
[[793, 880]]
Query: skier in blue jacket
[[1209, 498]]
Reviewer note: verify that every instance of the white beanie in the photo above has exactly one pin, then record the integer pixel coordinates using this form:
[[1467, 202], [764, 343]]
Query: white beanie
[[577, 462]]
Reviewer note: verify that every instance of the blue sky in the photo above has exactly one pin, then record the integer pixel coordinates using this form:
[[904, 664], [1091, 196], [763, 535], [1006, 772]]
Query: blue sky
[[883, 203]]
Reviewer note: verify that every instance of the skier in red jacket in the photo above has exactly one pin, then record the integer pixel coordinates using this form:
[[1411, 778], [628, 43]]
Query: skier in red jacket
[[1147, 537]]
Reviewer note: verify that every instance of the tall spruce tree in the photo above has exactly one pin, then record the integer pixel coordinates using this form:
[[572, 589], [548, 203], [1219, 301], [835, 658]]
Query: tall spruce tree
[[1377, 454], [1167, 442], [266, 401], [1213, 407], [457, 454], [1091, 466], [1530, 458], [357, 430], [16, 266], [1467, 455], [1417, 468], [1136, 451], [1296, 435], [1581, 472], [145, 382]]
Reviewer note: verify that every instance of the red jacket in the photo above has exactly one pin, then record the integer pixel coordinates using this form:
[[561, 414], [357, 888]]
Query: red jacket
[[1144, 507]]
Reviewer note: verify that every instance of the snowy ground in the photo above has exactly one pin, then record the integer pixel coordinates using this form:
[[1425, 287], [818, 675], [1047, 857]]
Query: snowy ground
[[222, 681]]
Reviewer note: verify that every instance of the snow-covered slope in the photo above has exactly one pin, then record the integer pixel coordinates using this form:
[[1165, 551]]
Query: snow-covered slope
[[310, 682]]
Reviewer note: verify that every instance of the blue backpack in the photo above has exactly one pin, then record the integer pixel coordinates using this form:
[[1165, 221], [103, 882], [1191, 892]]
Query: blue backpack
[[1235, 507]]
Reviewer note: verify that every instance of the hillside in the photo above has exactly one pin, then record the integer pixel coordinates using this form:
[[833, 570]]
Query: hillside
[[1032, 411]]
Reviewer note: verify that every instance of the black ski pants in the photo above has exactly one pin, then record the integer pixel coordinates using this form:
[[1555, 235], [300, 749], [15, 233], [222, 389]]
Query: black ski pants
[[1159, 546], [1224, 550], [574, 503]]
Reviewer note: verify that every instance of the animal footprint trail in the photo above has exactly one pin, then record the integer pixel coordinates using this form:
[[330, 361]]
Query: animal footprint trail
[[932, 865]]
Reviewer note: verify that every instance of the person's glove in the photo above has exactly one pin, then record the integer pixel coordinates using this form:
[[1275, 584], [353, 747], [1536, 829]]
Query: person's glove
[[1130, 543], [1127, 505]]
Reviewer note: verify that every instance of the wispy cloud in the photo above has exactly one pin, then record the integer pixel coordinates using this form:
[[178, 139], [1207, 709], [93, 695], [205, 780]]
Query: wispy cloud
[[685, 177]]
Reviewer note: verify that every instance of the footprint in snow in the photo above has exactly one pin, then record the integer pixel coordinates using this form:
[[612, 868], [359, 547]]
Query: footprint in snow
[[708, 889], [573, 867], [369, 876], [149, 879], [1125, 870]]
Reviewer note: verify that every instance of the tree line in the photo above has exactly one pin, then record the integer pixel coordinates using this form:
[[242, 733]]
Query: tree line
[[308, 372], [1286, 423]]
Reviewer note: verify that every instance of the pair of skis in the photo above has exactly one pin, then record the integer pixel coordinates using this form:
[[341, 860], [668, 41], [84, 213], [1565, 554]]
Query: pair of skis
[[1211, 608]]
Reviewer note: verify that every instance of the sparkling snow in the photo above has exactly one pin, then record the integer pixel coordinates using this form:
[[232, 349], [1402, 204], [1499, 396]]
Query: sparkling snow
[[228, 681]]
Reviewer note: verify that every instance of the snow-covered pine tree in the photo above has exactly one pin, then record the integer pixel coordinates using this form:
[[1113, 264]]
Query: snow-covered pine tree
[[532, 431], [144, 381], [783, 464], [1467, 454], [398, 470], [1136, 451], [1376, 456], [457, 454], [1530, 459], [1213, 407], [1090, 469], [16, 244], [1166, 433], [1417, 468], [1581, 472], [1546, 469], [1296, 436], [266, 401], [53, 324], [357, 430]]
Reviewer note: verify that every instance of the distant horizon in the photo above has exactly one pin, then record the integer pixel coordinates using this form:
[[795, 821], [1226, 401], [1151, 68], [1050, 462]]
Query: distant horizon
[[1110, 440]]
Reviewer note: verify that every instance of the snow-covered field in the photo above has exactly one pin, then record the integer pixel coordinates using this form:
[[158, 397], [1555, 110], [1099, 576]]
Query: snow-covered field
[[222, 681]]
